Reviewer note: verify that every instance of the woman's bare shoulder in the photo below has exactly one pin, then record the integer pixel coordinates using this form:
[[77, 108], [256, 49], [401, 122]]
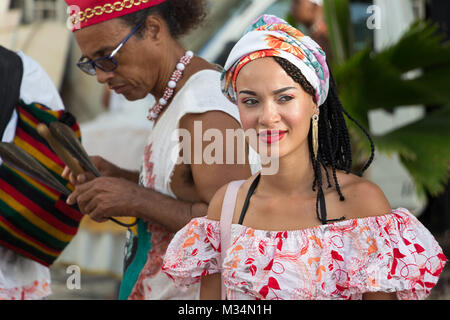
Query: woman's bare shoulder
[[216, 203], [363, 198]]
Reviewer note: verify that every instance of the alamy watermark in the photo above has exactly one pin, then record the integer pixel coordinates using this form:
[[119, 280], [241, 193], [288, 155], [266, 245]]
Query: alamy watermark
[[73, 281], [374, 20], [220, 149]]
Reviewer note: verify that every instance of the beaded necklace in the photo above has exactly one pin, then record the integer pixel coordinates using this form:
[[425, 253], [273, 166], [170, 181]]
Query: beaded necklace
[[154, 112]]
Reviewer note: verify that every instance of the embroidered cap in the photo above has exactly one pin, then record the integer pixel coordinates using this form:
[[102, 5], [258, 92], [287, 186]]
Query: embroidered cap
[[84, 13]]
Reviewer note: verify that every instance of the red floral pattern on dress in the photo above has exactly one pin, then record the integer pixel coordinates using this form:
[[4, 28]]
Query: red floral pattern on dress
[[160, 240], [34, 291], [342, 260], [148, 167]]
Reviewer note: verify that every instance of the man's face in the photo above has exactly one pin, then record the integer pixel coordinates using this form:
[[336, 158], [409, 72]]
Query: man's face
[[136, 74], [303, 11]]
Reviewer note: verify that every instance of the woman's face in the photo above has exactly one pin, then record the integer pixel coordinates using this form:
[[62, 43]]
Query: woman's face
[[275, 106], [137, 69]]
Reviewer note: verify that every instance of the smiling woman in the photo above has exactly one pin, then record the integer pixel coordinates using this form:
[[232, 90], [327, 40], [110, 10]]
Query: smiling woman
[[292, 234]]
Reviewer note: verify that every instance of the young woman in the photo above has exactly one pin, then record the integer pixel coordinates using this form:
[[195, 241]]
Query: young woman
[[313, 230]]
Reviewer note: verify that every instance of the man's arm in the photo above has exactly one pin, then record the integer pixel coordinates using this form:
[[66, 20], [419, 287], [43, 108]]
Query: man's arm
[[105, 197], [208, 178]]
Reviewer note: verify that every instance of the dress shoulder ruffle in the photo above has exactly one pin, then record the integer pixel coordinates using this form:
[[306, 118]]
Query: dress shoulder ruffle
[[193, 252], [342, 260]]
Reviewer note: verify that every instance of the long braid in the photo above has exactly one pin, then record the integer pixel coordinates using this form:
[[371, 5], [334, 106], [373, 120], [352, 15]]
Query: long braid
[[343, 111], [334, 141]]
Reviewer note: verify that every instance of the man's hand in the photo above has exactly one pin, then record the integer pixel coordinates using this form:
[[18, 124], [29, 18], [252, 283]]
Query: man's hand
[[105, 197], [106, 168]]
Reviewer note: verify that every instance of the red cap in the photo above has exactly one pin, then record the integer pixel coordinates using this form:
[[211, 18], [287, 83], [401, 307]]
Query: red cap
[[84, 13]]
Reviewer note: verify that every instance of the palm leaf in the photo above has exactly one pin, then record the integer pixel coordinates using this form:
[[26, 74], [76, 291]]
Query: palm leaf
[[337, 15], [368, 81], [424, 149]]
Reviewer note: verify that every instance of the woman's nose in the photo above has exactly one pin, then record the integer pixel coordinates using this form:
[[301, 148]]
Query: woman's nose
[[269, 114]]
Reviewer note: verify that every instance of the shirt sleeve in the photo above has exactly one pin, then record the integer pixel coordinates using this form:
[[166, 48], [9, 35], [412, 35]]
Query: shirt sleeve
[[193, 252], [37, 86]]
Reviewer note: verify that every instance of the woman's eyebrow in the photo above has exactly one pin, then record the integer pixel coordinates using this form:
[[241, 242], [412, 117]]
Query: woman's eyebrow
[[247, 92], [282, 90], [278, 91]]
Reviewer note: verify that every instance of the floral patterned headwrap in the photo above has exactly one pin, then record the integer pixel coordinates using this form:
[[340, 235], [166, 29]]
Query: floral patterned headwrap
[[270, 36]]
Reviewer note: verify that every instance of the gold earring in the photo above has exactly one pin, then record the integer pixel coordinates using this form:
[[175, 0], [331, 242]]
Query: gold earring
[[315, 134]]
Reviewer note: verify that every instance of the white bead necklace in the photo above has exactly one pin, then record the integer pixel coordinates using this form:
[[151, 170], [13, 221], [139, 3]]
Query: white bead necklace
[[154, 112]]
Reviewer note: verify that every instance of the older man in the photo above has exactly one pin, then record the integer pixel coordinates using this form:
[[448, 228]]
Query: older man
[[132, 47]]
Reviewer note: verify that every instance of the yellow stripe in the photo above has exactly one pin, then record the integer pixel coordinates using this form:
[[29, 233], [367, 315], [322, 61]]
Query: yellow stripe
[[27, 214], [27, 120], [35, 245], [55, 114], [50, 164], [36, 185]]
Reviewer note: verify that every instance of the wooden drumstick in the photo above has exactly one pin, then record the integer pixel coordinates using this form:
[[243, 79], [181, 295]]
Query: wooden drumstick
[[65, 156], [66, 138]]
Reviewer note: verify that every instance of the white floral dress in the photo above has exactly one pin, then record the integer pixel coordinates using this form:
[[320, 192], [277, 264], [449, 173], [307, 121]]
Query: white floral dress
[[341, 260]]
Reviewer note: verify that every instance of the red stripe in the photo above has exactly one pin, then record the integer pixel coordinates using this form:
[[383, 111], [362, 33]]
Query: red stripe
[[38, 211], [39, 146], [27, 115], [75, 127], [50, 189], [68, 210], [25, 253], [24, 235]]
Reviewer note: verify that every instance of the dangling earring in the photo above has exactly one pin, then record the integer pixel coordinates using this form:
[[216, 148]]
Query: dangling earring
[[315, 134]]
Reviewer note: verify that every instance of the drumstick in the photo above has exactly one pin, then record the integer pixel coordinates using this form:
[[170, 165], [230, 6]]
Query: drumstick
[[19, 159], [65, 156], [66, 137]]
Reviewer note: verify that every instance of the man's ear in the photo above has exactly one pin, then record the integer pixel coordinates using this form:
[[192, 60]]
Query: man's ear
[[154, 26]]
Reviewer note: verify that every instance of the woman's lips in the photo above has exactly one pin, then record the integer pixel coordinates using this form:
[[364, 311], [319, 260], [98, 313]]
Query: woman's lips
[[271, 136]]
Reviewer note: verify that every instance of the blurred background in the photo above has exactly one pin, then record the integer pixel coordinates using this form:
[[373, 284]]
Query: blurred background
[[391, 62]]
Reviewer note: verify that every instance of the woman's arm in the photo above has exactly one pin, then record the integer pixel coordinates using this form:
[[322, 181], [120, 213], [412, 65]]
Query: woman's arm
[[379, 296], [211, 287]]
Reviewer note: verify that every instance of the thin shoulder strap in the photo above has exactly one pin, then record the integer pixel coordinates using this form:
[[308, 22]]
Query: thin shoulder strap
[[226, 217], [250, 192]]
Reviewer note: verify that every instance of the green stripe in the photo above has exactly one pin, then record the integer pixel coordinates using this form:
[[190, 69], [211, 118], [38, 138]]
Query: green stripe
[[32, 132], [8, 238], [41, 115], [16, 219], [25, 182], [35, 196]]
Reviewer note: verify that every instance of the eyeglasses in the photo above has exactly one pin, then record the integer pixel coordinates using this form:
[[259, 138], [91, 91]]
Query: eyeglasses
[[105, 63]]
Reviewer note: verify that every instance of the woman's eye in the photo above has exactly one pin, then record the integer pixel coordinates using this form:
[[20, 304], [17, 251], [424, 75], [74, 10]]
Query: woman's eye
[[249, 101], [285, 98]]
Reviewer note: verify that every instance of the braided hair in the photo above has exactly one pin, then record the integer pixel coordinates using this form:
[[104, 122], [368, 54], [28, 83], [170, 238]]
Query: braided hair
[[334, 141]]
